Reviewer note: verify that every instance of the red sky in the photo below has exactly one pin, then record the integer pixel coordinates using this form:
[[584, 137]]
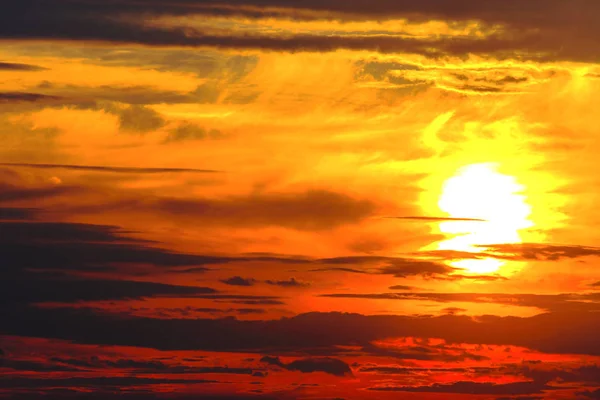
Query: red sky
[[275, 199]]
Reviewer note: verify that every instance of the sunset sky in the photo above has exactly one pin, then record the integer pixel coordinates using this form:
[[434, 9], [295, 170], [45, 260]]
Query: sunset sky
[[285, 199]]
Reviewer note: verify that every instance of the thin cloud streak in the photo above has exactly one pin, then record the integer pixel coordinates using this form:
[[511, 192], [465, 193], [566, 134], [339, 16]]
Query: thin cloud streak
[[97, 168]]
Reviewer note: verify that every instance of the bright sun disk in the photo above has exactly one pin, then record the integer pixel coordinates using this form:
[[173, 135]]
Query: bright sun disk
[[496, 203]]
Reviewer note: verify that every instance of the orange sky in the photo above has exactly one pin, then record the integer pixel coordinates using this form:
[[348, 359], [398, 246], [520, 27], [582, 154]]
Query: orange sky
[[299, 200]]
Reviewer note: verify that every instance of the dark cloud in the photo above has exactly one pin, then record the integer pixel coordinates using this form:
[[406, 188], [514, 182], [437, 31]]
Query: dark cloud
[[78, 247], [6, 97], [466, 387], [34, 366], [218, 69], [423, 352], [134, 117], [562, 332], [93, 382], [82, 96], [239, 281], [149, 366], [520, 398], [310, 210], [528, 32], [388, 370], [590, 394], [454, 310], [538, 251], [396, 266], [13, 213], [406, 268], [193, 311], [263, 301], [33, 290], [328, 365], [6, 66], [339, 269], [511, 79], [139, 118], [480, 89], [97, 168], [490, 82], [292, 282], [556, 303], [9, 192], [240, 299], [248, 311], [140, 392], [22, 232], [192, 270], [487, 278], [83, 247], [401, 287], [190, 131], [94, 256], [584, 374]]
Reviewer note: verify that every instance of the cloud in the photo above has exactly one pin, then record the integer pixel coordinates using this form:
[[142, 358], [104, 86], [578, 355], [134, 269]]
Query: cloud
[[590, 394], [28, 232], [6, 66], [247, 311], [328, 365], [71, 247], [262, 301], [14, 213], [33, 366], [453, 310], [95, 97], [138, 118], [292, 282], [562, 332], [11, 193], [339, 269], [192, 312], [190, 131], [388, 370], [6, 97], [406, 268], [310, 210], [96, 383], [240, 298], [546, 252], [128, 103], [435, 219], [422, 352], [149, 366], [239, 281], [488, 278], [584, 374], [466, 387], [555, 303], [98, 168], [399, 267], [401, 287], [524, 31], [44, 289]]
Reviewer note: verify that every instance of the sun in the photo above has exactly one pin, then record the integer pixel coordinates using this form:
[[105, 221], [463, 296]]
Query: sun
[[494, 210]]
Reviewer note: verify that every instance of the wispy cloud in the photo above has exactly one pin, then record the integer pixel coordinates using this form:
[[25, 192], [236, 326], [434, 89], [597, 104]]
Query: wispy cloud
[[98, 168]]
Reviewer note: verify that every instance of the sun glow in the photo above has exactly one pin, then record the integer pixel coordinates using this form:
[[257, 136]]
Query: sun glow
[[494, 210]]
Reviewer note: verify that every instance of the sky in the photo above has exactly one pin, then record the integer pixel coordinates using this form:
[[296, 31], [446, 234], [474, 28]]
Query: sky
[[284, 199]]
